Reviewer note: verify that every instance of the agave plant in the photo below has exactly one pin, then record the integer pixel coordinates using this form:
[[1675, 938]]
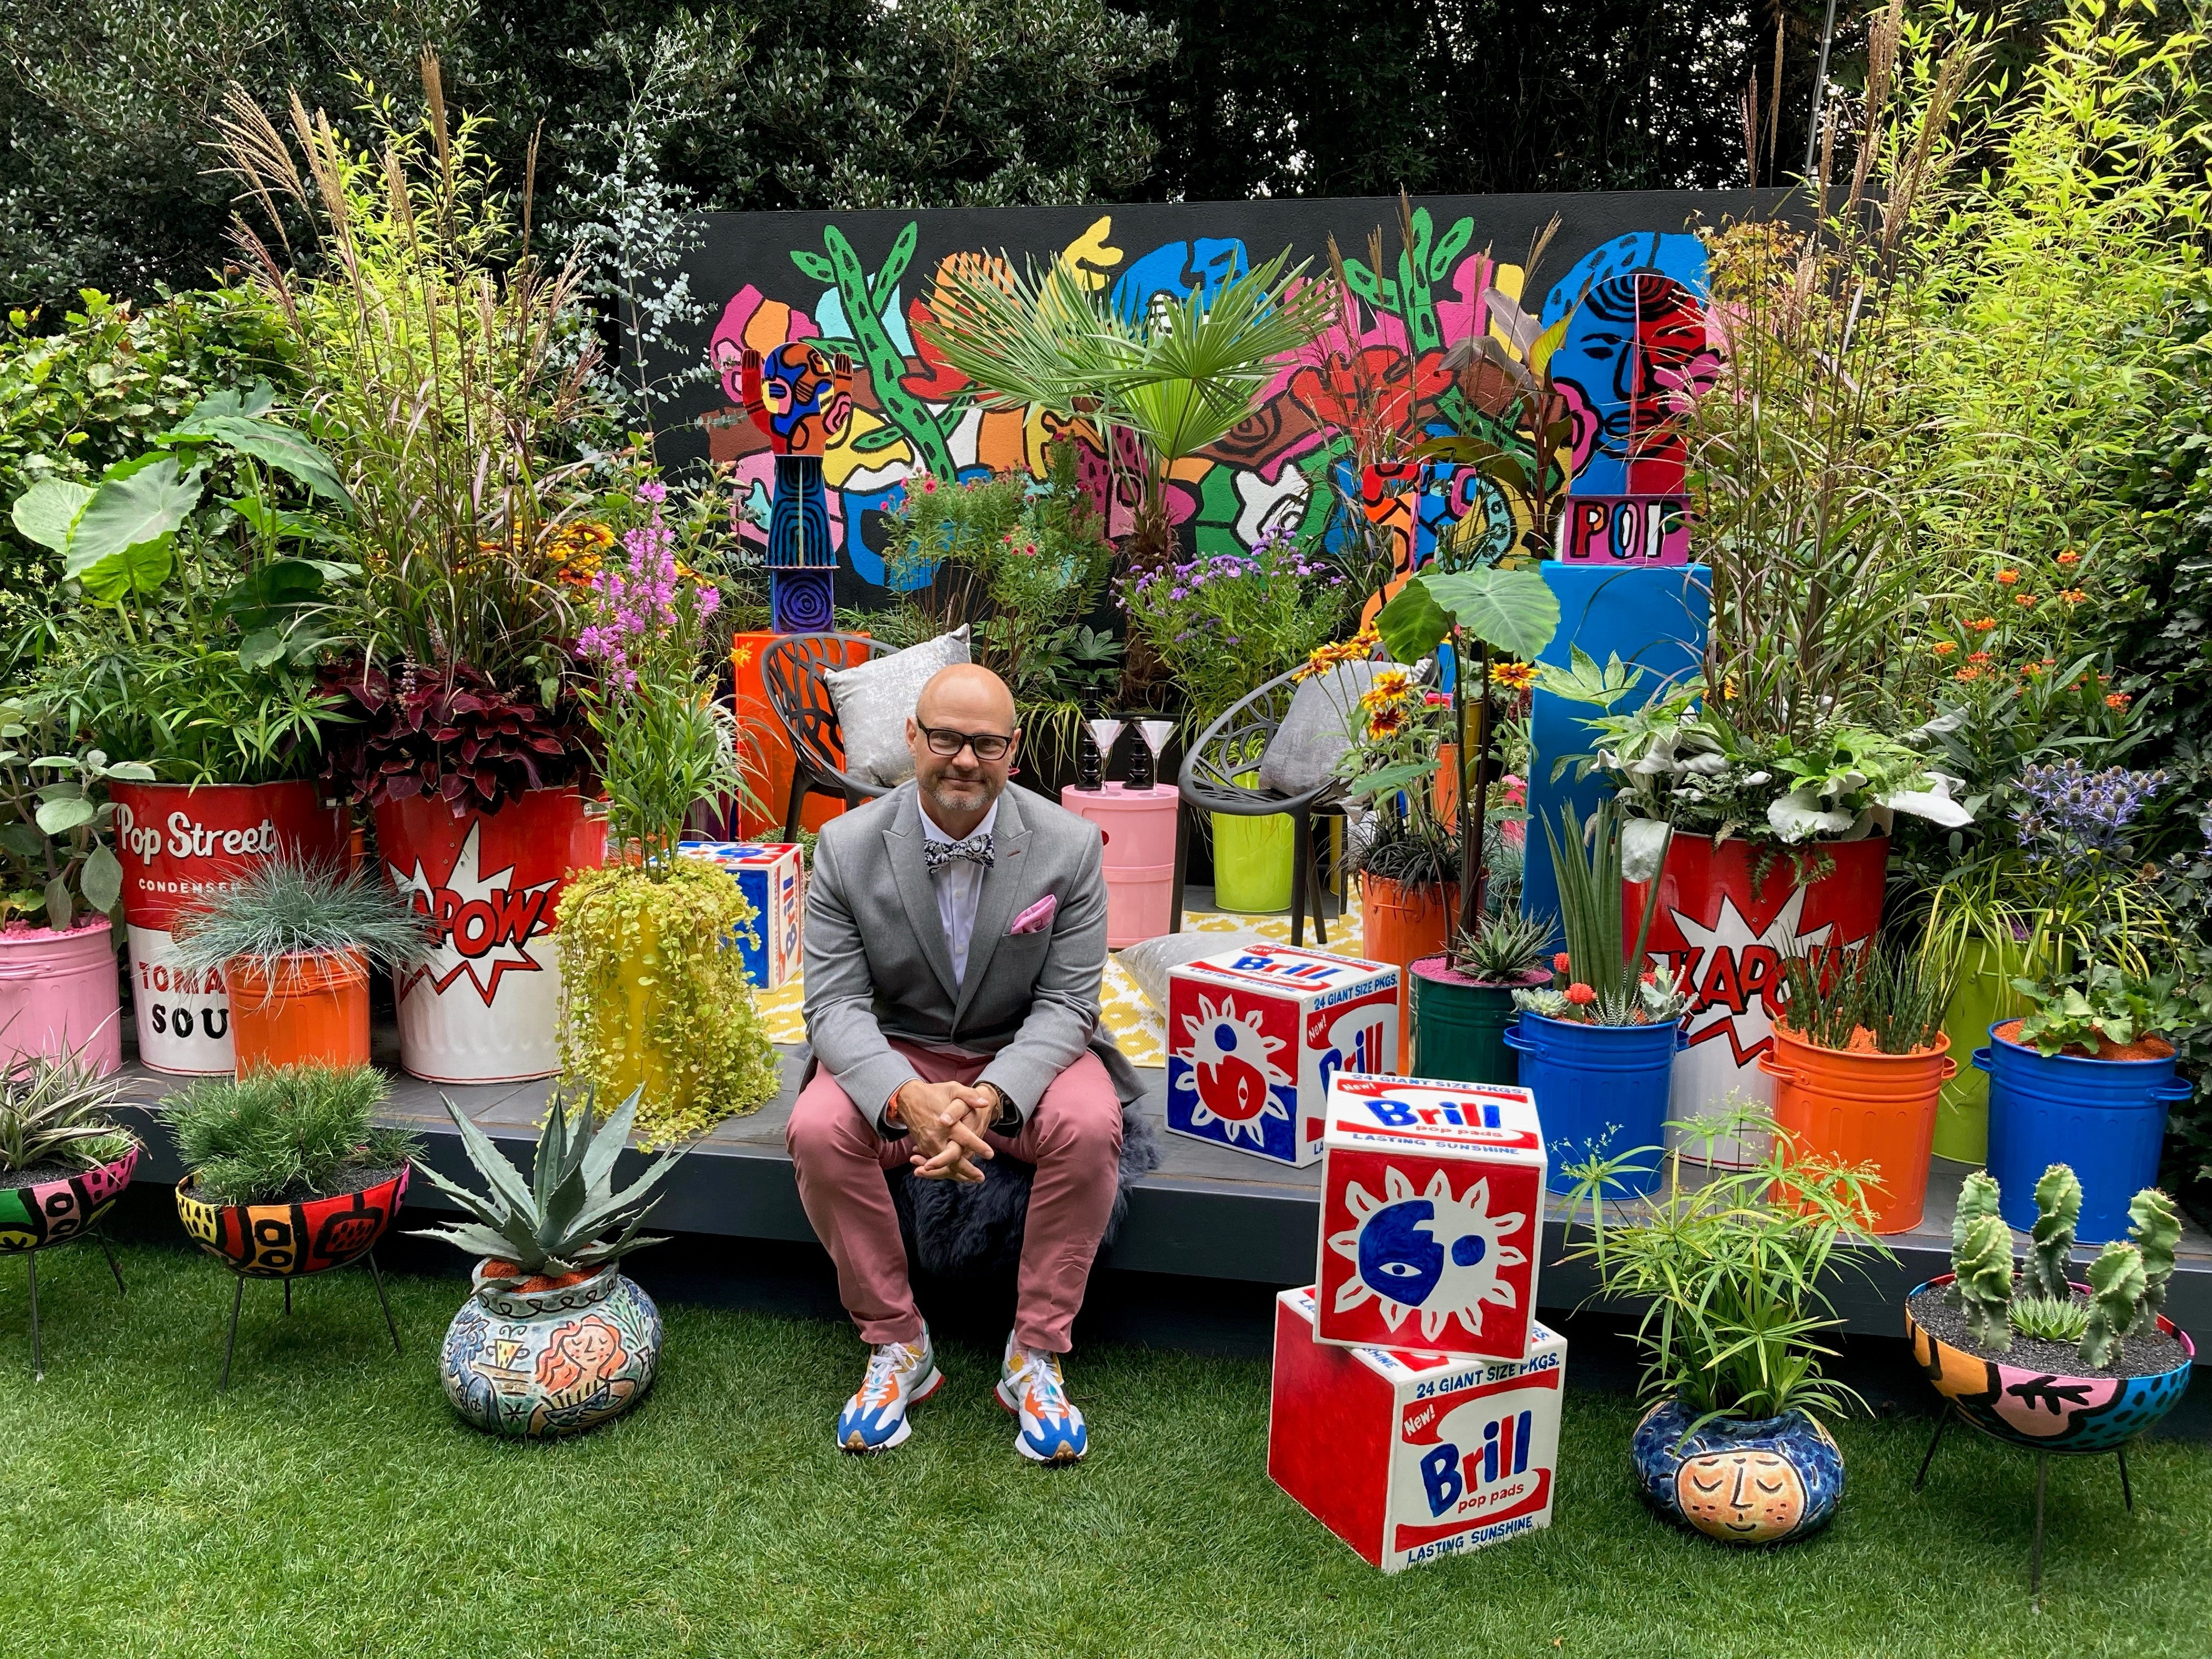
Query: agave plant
[[54, 1110], [560, 1220]]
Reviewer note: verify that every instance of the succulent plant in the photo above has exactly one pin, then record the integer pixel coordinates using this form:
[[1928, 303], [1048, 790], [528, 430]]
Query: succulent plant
[[2058, 1207], [2047, 1319], [1508, 947], [54, 1110], [2155, 1228], [2116, 1283], [1978, 1197], [567, 1218], [1984, 1266]]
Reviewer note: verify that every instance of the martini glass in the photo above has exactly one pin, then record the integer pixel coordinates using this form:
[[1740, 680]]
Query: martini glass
[[1147, 759], [1091, 766]]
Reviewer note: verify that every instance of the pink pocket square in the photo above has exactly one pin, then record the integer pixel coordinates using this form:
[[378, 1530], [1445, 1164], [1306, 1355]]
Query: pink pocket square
[[1037, 918]]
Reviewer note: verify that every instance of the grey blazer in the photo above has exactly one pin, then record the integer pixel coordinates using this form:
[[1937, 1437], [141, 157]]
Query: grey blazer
[[878, 964]]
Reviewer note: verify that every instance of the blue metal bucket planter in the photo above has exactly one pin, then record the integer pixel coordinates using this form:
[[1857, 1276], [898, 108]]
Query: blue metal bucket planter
[[1600, 1089], [2105, 1117]]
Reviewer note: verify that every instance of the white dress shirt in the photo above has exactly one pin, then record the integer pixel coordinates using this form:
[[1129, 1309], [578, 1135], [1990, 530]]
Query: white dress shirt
[[959, 886]]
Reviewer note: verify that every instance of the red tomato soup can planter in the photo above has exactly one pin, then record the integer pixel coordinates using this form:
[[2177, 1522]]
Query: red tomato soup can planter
[[1859, 1106], [310, 1009], [484, 1004], [180, 844], [1729, 917], [2106, 1117], [58, 995]]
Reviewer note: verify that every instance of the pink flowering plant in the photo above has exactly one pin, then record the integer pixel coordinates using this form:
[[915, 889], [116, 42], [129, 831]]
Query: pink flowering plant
[[1225, 623], [669, 741]]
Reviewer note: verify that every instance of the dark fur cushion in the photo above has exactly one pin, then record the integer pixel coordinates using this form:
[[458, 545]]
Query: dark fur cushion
[[956, 1228]]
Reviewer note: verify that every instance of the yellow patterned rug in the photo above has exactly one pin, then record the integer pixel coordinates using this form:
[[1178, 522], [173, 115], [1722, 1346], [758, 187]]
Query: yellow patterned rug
[[1135, 1026]]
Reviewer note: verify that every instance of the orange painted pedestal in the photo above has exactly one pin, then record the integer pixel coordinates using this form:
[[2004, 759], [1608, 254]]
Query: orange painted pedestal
[[765, 749]]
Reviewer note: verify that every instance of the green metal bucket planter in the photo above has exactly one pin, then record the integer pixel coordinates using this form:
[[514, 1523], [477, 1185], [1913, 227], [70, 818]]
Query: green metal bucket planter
[[1460, 1024], [1252, 859], [1983, 997]]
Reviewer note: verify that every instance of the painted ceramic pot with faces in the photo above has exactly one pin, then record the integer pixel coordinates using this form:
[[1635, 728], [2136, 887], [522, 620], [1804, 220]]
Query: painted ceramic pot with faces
[[283, 1241], [1767, 1480], [56, 1210], [551, 1356]]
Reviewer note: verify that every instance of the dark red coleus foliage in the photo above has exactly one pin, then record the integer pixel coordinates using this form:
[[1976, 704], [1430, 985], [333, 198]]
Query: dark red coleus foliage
[[450, 733]]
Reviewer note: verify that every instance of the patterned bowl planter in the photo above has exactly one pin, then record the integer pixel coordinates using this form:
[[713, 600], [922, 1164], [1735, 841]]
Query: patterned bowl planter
[[54, 1212], [1768, 1480], [285, 1241], [538, 1364], [2042, 1412]]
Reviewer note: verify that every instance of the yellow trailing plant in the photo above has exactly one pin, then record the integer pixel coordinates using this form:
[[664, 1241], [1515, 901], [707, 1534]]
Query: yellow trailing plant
[[654, 996]]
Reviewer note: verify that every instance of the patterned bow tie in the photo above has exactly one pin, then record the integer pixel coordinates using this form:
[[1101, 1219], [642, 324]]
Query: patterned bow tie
[[976, 849]]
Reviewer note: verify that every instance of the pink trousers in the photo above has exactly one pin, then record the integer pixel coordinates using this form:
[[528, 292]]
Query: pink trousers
[[1074, 1140]]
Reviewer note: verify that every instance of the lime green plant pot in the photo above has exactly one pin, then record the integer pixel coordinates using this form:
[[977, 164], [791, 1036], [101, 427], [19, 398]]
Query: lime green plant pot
[[1252, 860], [1984, 995]]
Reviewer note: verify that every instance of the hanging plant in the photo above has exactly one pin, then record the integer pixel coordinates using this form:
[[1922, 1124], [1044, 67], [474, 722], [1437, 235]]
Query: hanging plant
[[654, 996]]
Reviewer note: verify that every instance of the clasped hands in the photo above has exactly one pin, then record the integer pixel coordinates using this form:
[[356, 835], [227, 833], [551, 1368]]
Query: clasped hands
[[946, 1122]]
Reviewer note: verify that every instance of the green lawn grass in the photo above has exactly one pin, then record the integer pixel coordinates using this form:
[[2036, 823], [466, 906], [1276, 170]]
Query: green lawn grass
[[331, 1503]]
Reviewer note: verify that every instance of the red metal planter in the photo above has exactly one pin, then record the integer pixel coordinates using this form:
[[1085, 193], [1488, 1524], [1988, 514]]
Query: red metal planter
[[484, 1006], [285, 1241], [1732, 935], [180, 845]]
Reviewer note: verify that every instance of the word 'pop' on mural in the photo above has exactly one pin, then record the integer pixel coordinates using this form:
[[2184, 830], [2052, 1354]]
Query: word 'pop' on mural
[[1626, 268]]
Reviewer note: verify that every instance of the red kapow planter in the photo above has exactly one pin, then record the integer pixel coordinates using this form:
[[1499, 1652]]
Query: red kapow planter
[[1433, 1214], [1410, 1457]]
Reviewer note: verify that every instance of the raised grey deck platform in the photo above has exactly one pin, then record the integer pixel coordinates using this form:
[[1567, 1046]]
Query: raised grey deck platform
[[1206, 1212]]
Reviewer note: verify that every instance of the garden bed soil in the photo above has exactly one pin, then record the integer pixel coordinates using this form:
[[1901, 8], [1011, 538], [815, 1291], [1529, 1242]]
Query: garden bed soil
[[357, 1181], [1862, 1042], [10, 1179], [2142, 1356], [2143, 1048]]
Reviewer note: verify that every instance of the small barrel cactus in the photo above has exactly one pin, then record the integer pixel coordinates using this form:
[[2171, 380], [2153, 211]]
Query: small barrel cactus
[[2058, 1207], [1984, 1266], [2116, 1298], [2155, 1226]]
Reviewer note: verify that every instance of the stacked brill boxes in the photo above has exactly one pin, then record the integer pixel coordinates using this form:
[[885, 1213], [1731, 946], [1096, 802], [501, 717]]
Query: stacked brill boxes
[[1416, 1401]]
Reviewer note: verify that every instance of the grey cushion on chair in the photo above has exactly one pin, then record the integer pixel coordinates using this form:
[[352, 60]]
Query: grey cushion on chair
[[1316, 731], [874, 698]]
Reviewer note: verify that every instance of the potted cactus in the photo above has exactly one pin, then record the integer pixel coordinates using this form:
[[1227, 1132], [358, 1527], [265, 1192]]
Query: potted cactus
[[64, 1160], [553, 1339], [2033, 1356]]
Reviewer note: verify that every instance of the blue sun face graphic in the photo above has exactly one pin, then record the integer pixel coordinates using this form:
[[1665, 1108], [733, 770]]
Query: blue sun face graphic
[[1427, 1252]]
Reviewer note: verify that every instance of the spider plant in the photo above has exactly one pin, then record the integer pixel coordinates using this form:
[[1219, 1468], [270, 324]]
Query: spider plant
[[293, 907], [1176, 379], [1728, 1273], [1897, 997], [54, 1110]]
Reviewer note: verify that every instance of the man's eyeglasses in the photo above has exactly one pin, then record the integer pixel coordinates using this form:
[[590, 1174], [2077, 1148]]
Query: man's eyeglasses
[[987, 746]]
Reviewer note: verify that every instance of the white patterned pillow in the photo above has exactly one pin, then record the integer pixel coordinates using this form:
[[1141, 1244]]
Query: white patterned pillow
[[874, 698]]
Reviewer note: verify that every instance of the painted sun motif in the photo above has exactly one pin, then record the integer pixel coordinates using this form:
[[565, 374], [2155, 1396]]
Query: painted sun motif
[[1427, 1252], [1232, 1070]]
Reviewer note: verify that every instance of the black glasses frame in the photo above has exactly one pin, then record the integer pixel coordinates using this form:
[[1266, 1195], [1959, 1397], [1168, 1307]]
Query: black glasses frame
[[1001, 744]]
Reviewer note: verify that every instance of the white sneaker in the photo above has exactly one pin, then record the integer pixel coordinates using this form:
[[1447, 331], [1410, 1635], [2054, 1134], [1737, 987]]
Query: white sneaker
[[900, 1374], [1031, 1388]]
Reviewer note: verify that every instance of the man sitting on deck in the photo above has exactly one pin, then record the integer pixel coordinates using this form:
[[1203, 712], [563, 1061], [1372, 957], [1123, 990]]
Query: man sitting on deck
[[955, 934]]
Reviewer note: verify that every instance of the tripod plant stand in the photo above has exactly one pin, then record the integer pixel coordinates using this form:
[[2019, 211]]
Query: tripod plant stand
[[287, 1240], [44, 1214]]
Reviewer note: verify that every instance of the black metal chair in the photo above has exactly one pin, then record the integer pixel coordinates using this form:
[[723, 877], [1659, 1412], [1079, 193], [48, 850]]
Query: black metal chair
[[791, 668], [1231, 747]]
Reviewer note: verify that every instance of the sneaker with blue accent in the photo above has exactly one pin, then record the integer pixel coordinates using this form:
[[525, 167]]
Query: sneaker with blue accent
[[900, 1375], [1031, 1388]]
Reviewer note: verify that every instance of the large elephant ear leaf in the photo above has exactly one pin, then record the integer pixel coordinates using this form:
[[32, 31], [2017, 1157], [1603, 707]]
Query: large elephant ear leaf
[[1412, 624], [1513, 611], [47, 511], [282, 448], [145, 508]]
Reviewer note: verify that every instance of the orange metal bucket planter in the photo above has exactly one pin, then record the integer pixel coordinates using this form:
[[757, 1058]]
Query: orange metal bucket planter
[[312, 1010], [1860, 1107], [1399, 925]]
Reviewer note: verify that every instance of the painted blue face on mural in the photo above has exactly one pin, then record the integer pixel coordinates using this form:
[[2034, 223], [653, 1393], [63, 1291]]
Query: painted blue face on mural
[[1171, 273]]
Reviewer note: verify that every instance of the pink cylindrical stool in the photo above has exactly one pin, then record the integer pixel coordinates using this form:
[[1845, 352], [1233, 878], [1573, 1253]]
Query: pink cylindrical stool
[[58, 993], [1139, 829]]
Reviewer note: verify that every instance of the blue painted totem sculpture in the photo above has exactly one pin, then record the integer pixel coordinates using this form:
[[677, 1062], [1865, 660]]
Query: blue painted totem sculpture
[[801, 398]]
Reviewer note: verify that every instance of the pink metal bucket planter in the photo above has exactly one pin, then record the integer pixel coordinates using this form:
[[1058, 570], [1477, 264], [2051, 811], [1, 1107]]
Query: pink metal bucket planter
[[59, 995]]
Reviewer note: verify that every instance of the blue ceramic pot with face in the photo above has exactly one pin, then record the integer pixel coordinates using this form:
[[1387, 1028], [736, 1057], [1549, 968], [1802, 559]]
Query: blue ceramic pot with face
[[1742, 1480]]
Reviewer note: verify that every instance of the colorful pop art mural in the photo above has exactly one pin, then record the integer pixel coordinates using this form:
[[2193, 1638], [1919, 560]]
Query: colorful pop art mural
[[1627, 269]]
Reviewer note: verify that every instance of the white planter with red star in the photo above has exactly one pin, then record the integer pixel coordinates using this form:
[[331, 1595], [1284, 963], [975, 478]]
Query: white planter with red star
[[1732, 933], [485, 1007]]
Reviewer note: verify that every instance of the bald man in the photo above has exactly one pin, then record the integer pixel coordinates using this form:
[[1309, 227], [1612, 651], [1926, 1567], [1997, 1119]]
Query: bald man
[[956, 934]]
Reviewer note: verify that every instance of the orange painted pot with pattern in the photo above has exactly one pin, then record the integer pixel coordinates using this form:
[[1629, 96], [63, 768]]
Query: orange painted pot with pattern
[[1399, 924], [283, 1241], [309, 1009]]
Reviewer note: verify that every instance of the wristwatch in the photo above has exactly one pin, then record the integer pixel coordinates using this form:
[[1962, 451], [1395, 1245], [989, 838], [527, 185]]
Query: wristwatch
[[1009, 1120]]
